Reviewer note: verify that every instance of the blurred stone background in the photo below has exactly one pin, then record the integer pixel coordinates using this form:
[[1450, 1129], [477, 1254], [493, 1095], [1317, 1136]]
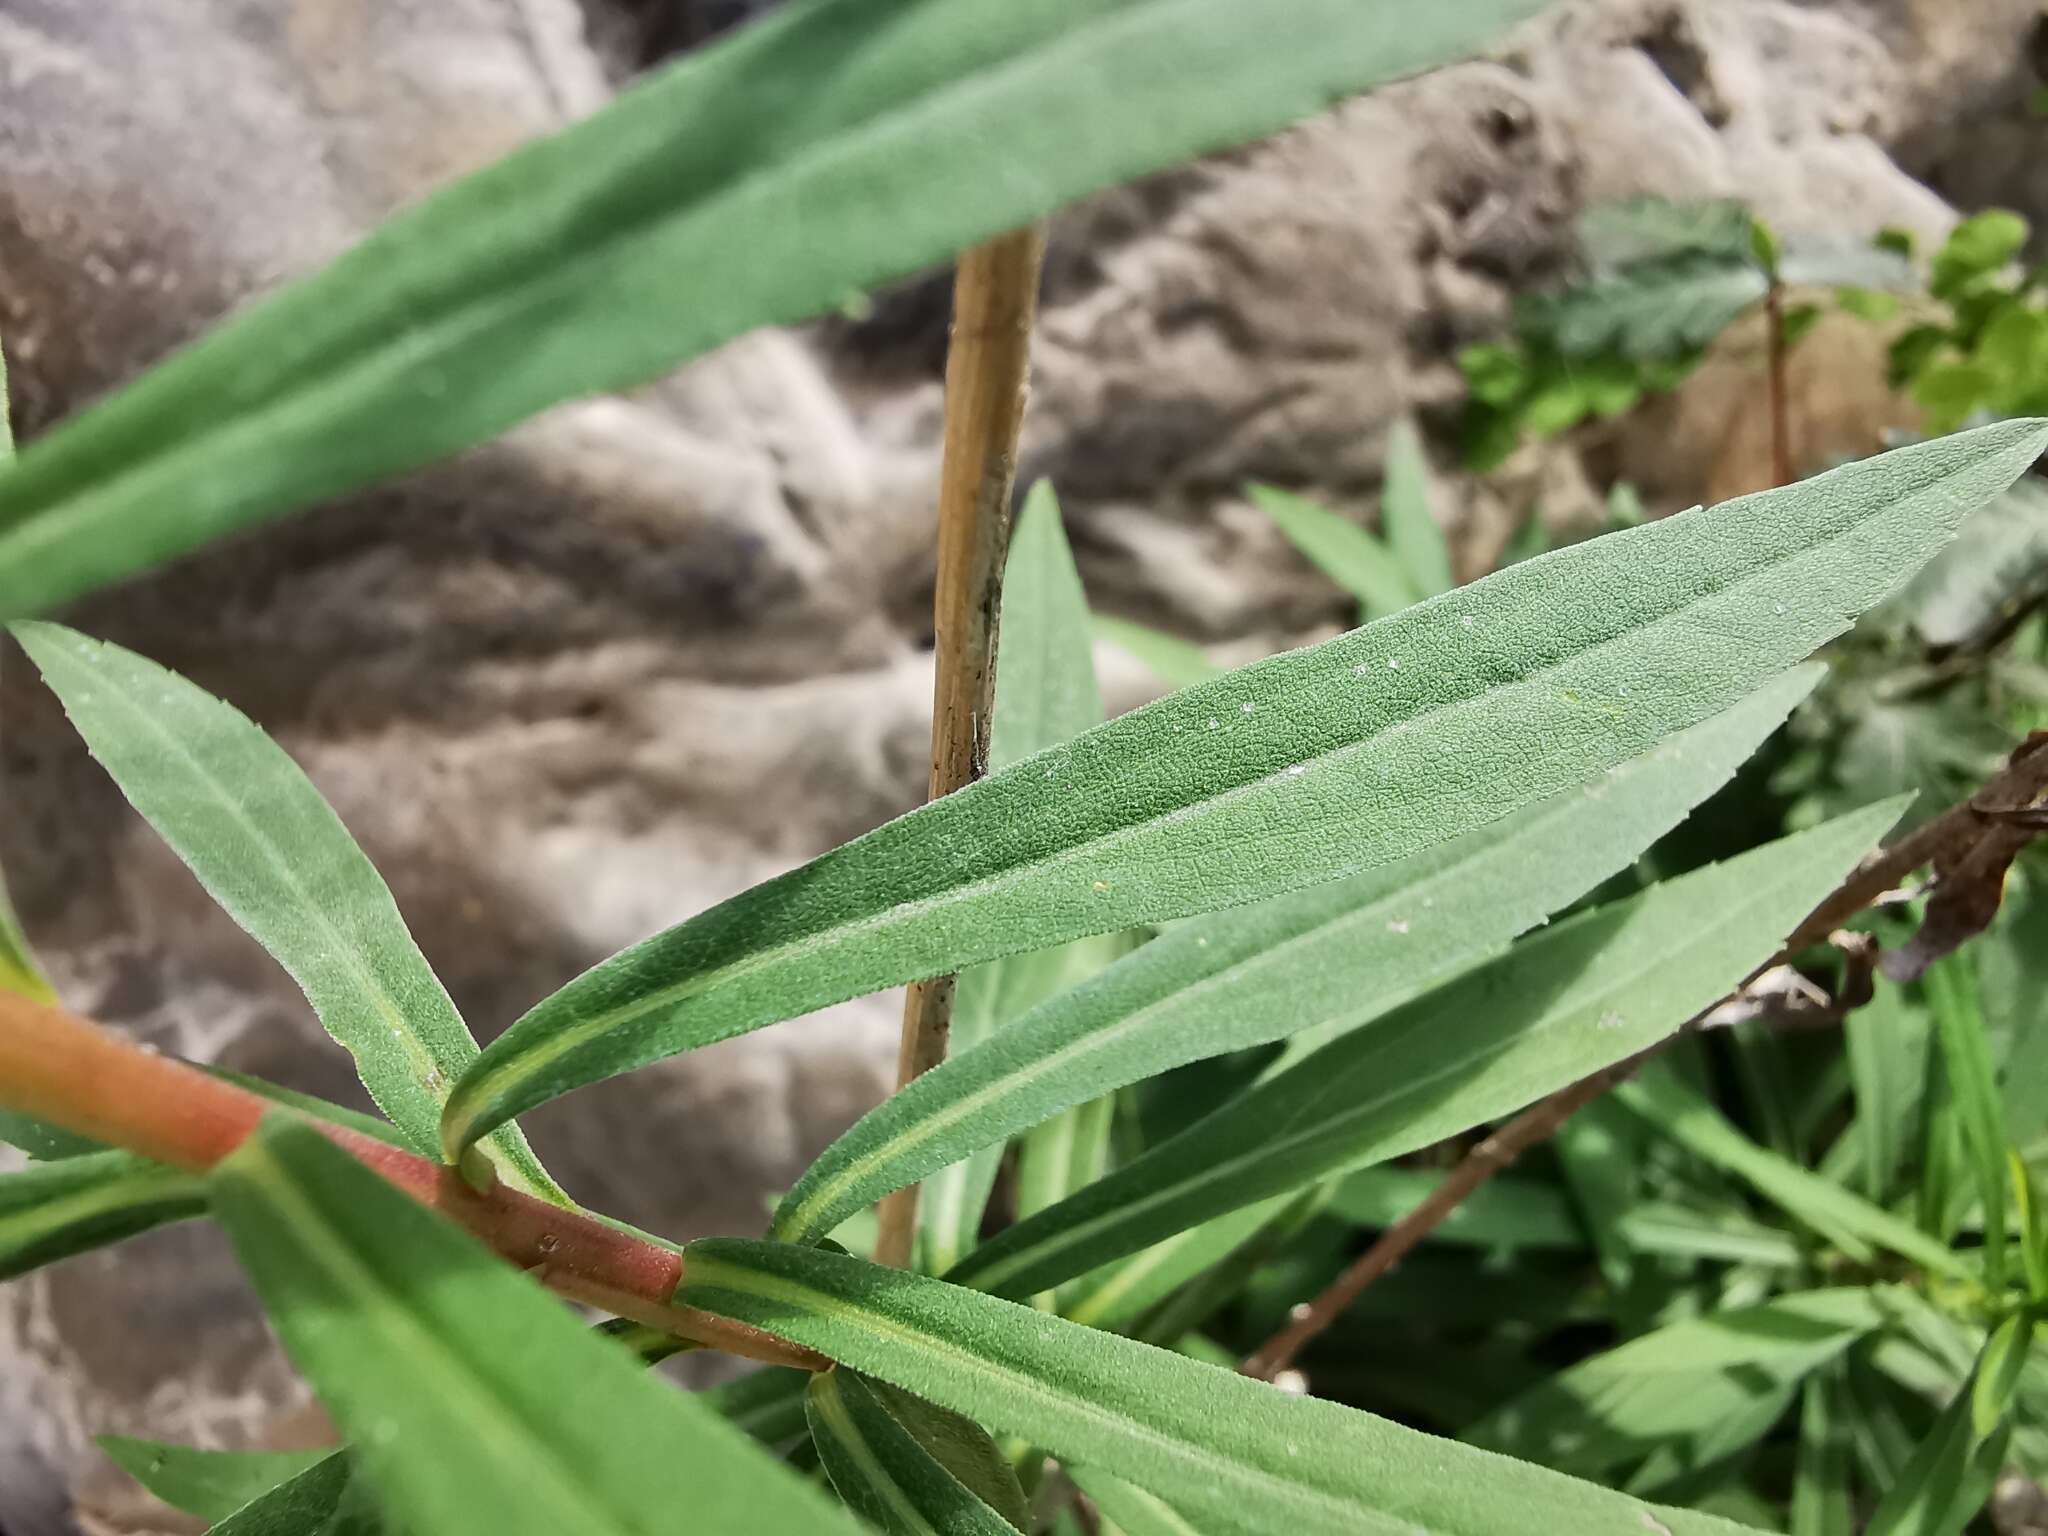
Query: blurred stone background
[[649, 650]]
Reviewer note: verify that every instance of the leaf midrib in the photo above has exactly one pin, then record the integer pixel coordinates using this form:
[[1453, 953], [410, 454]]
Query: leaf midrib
[[1249, 1475]]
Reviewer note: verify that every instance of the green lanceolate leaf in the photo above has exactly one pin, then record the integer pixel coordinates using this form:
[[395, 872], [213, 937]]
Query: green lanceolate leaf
[[1675, 1110], [1045, 665], [768, 1404], [1887, 1044], [1664, 1391], [1503, 1213], [1234, 1454], [1046, 693], [1406, 517], [209, 1484], [1950, 1474], [1326, 960], [6, 414], [54, 1210], [961, 1446], [1174, 660], [1822, 1503], [1135, 1512], [1556, 1008], [1295, 770], [1951, 985], [45, 1143], [1997, 1380], [402, 1323], [881, 1471], [249, 823], [1118, 1294], [674, 220], [329, 1498], [18, 969], [1341, 550]]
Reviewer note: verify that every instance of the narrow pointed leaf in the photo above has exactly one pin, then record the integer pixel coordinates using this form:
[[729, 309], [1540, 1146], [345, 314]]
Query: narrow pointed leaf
[[1134, 1511], [1946, 1481], [1068, 1152], [1556, 1008], [1822, 1501], [1675, 1110], [882, 1473], [1596, 1152], [768, 1404], [1176, 661], [1887, 1042], [405, 1325], [1324, 961], [18, 969], [1529, 682], [1118, 1294], [1407, 518], [963, 1448], [1236, 1455], [679, 217], [329, 1498], [1045, 666], [1997, 1380], [54, 1210], [1346, 553], [1046, 694], [43, 1142], [209, 1484], [249, 823], [1951, 985], [1503, 1213], [1666, 1389]]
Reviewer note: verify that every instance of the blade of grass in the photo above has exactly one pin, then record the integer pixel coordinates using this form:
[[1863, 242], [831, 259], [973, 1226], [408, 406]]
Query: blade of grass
[[1951, 985], [1674, 1110]]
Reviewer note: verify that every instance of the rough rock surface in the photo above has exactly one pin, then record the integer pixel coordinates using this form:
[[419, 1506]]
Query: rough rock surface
[[645, 652]]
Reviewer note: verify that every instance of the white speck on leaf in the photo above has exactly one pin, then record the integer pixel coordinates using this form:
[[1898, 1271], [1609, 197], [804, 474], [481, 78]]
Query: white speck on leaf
[[1245, 708], [1612, 1020], [1215, 725], [1653, 1525], [1102, 885], [1393, 664], [1397, 925], [1297, 770]]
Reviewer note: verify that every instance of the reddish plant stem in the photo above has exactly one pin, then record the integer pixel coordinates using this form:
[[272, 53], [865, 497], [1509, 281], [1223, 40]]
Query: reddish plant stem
[[64, 1070], [2023, 782]]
